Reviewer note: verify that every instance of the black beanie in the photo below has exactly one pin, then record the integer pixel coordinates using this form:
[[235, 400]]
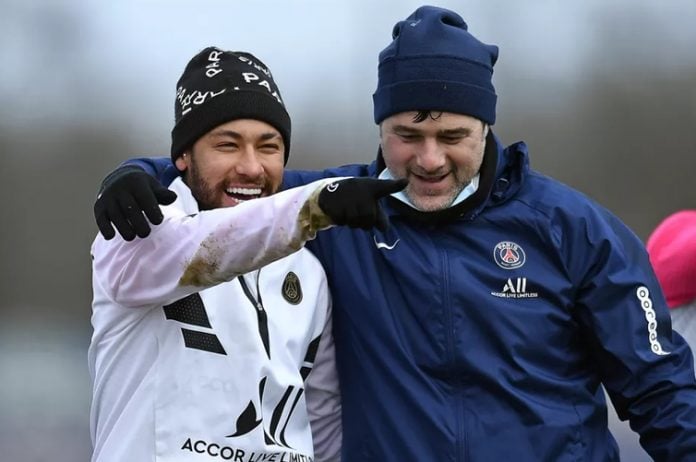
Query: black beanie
[[219, 86]]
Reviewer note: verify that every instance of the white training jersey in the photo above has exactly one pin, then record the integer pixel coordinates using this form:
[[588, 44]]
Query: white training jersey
[[196, 354]]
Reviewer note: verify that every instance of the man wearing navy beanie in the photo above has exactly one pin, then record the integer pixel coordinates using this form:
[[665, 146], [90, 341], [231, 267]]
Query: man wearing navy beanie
[[486, 322]]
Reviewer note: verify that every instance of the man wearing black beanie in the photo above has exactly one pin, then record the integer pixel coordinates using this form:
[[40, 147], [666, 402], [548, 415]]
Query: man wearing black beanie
[[486, 322], [206, 334]]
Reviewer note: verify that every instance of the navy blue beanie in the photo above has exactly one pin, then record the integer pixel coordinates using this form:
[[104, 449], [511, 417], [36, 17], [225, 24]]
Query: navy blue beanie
[[435, 64]]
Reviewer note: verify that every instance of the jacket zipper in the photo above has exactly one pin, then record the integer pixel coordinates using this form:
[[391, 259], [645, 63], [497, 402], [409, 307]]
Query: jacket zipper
[[460, 442], [261, 315]]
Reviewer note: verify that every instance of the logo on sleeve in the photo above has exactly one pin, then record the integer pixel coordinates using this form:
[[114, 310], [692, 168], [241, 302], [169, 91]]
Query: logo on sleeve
[[292, 291], [646, 303], [509, 255]]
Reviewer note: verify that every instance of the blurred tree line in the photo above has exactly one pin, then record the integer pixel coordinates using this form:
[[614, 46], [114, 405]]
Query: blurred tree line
[[631, 149]]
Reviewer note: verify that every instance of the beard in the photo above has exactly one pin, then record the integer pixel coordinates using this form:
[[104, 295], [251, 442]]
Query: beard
[[432, 201], [202, 191]]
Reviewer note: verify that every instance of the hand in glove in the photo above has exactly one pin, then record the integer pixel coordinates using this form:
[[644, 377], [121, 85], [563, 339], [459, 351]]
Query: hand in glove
[[354, 202], [125, 195]]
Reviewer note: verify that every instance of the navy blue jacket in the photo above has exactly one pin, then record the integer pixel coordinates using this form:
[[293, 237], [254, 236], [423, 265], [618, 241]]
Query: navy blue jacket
[[485, 332]]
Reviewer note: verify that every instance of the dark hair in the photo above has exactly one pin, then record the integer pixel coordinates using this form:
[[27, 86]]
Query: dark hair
[[422, 115]]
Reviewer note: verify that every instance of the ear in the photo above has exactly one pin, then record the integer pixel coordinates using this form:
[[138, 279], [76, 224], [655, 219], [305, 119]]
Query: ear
[[183, 161]]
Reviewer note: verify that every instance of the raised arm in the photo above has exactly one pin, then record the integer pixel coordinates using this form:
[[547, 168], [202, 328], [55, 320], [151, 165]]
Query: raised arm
[[187, 253], [130, 196]]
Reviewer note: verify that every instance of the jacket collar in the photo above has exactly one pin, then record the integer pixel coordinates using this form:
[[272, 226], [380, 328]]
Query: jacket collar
[[184, 198]]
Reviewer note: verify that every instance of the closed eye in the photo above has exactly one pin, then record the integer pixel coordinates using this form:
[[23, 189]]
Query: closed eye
[[451, 139], [409, 137], [270, 147], [227, 145]]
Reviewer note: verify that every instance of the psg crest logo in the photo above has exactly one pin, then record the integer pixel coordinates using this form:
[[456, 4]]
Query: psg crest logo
[[509, 255], [292, 291]]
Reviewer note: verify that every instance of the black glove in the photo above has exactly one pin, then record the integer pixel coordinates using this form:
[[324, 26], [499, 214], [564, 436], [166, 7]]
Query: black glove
[[354, 202], [125, 194]]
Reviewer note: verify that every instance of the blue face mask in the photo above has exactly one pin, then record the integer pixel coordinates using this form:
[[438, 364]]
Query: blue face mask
[[466, 192]]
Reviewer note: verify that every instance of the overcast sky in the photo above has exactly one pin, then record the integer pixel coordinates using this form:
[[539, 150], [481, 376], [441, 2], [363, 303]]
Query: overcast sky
[[90, 58]]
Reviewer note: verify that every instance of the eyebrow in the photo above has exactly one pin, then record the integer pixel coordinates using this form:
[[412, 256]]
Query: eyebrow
[[236, 135], [459, 131]]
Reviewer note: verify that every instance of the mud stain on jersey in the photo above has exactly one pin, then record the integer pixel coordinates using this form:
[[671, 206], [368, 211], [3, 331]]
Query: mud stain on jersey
[[311, 219], [210, 266], [202, 270]]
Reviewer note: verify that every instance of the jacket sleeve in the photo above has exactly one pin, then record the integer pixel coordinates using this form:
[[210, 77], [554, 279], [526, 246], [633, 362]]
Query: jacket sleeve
[[161, 168], [647, 371], [324, 399], [293, 178], [185, 254]]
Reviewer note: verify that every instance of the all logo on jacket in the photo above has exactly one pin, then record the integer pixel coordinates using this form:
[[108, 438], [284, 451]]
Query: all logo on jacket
[[515, 288]]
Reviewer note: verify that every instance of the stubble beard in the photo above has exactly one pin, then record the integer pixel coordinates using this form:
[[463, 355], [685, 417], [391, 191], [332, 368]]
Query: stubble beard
[[201, 190], [436, 202], [441, 201]]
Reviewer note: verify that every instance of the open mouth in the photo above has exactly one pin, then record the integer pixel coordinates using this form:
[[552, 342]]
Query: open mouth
[[243, 194], [430, 179]]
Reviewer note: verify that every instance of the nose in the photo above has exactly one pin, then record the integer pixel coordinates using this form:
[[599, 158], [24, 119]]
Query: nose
[[249, 164], [431, 157]]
